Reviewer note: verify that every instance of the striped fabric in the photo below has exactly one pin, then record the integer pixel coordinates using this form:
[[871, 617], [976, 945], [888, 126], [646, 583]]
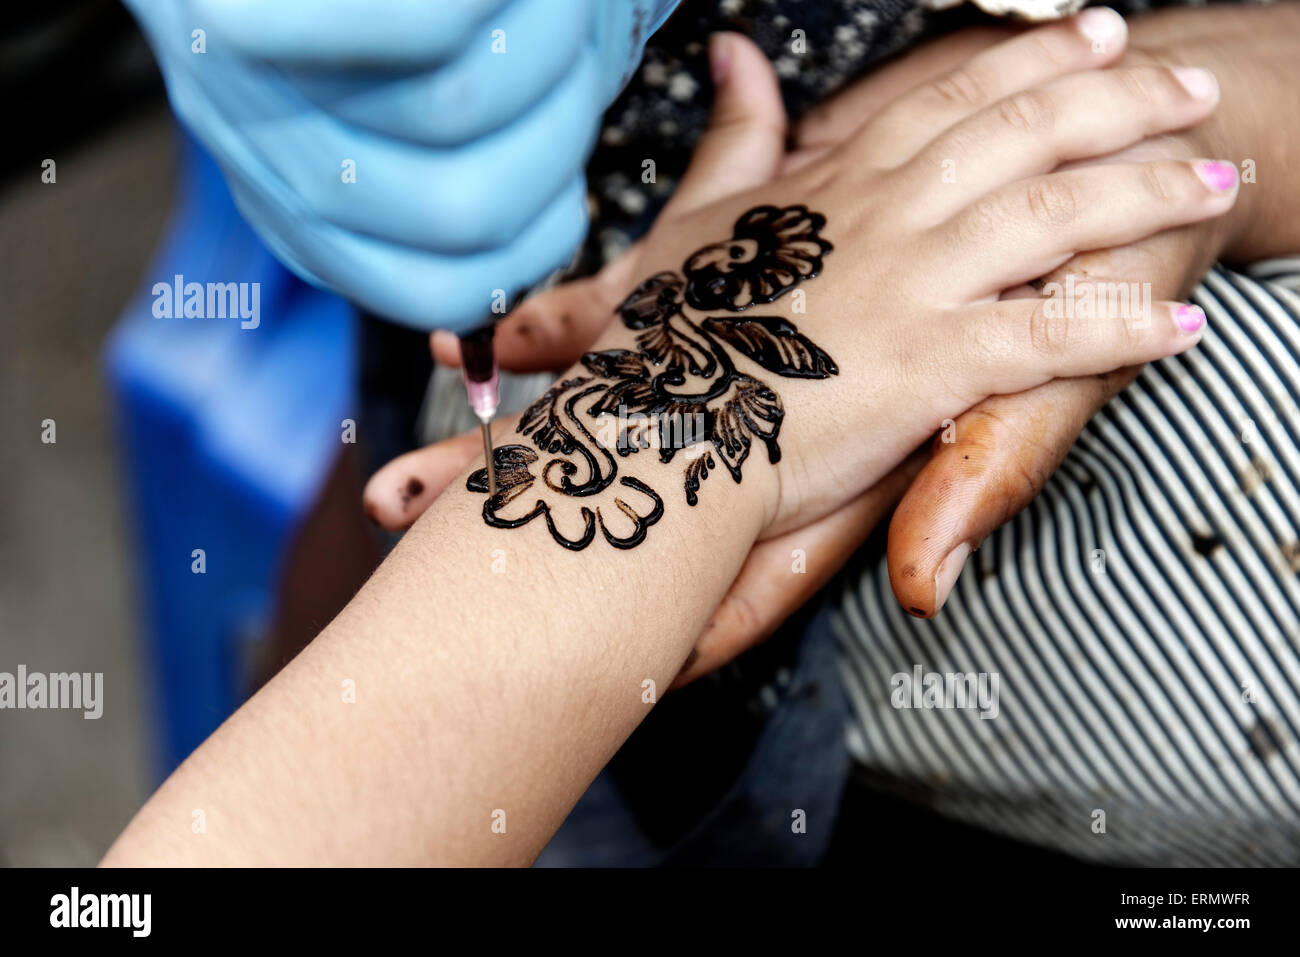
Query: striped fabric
[[1142, 617]]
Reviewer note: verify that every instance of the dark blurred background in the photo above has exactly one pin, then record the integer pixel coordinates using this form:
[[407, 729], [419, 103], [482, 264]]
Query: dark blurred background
[[79, 86]]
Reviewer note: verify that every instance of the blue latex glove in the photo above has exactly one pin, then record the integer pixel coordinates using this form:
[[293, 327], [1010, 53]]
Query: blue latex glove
[[468, 162]]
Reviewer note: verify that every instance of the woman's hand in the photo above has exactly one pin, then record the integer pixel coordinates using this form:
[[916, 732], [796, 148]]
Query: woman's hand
[[906, 183], [1007, 447], [929, 231]]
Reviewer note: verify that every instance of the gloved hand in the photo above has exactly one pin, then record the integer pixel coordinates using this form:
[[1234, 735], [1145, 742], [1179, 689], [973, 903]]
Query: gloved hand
[[412, 157]]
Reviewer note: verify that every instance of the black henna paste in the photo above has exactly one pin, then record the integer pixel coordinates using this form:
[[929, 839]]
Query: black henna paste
[[681, 372]]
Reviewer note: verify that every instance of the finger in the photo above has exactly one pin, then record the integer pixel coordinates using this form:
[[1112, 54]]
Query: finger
[[1003, 452], [1094, 38], [835, 119], [745, 140], [1035, 131], [554, 328], [773, 584], [1025, 230], [1009, 346], [401, 490]]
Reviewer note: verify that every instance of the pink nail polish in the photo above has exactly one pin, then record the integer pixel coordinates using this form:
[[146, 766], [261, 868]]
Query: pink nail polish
[[1190, 318], [1218, 176]]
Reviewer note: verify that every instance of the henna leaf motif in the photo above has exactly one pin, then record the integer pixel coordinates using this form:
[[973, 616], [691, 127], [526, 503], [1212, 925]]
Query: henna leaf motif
[[653, 301], [631, 389], [541, 420], [775, 344], [512, 474], [751, 410], [697, 470]]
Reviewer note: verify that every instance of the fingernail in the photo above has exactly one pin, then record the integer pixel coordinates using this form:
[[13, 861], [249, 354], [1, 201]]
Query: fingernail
[[947, 574], [719, 57], [1190, 318], [1101, 25], [1199, 83], [1217, 175]]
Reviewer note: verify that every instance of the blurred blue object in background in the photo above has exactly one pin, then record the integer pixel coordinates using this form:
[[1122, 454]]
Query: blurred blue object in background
[[226, 434]]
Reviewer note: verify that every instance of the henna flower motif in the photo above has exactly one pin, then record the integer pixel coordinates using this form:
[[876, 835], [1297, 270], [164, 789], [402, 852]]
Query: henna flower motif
[[772, 251], [653, 301], [623, 512]]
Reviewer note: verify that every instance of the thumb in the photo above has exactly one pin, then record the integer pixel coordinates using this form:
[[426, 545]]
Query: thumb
[[1002, 453], [745, 142], [554, 328]]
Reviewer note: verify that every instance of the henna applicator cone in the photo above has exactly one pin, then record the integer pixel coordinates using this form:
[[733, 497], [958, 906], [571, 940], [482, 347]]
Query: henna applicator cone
[[482, 385]]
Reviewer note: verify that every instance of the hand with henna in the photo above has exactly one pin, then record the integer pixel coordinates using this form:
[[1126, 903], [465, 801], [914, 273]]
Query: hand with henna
[[1002, 224]]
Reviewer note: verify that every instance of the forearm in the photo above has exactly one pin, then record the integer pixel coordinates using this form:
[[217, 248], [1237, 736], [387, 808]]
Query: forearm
[[493, 672]]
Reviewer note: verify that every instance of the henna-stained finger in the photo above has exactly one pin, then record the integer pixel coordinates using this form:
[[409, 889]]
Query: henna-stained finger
[[1001, 453]]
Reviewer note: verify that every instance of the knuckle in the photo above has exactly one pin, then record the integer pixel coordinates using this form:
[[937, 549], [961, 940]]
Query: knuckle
[[980, 224], [1051, 200], [1131, 329], [1029, 111], [1048, 329], [1048, 54], [1142, 85], [960, 88], [1159, 184], [985, 346]]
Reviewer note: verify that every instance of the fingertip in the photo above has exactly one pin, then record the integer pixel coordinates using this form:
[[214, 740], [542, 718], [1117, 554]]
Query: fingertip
[[387, 504], [445, 348], [688, 672], [1190, 321], [719, 57], [1104, 29], [745, 82]]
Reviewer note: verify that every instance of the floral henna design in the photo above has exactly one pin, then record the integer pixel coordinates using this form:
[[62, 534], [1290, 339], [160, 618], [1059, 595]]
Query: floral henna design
[[681, 379], [772, 251]]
